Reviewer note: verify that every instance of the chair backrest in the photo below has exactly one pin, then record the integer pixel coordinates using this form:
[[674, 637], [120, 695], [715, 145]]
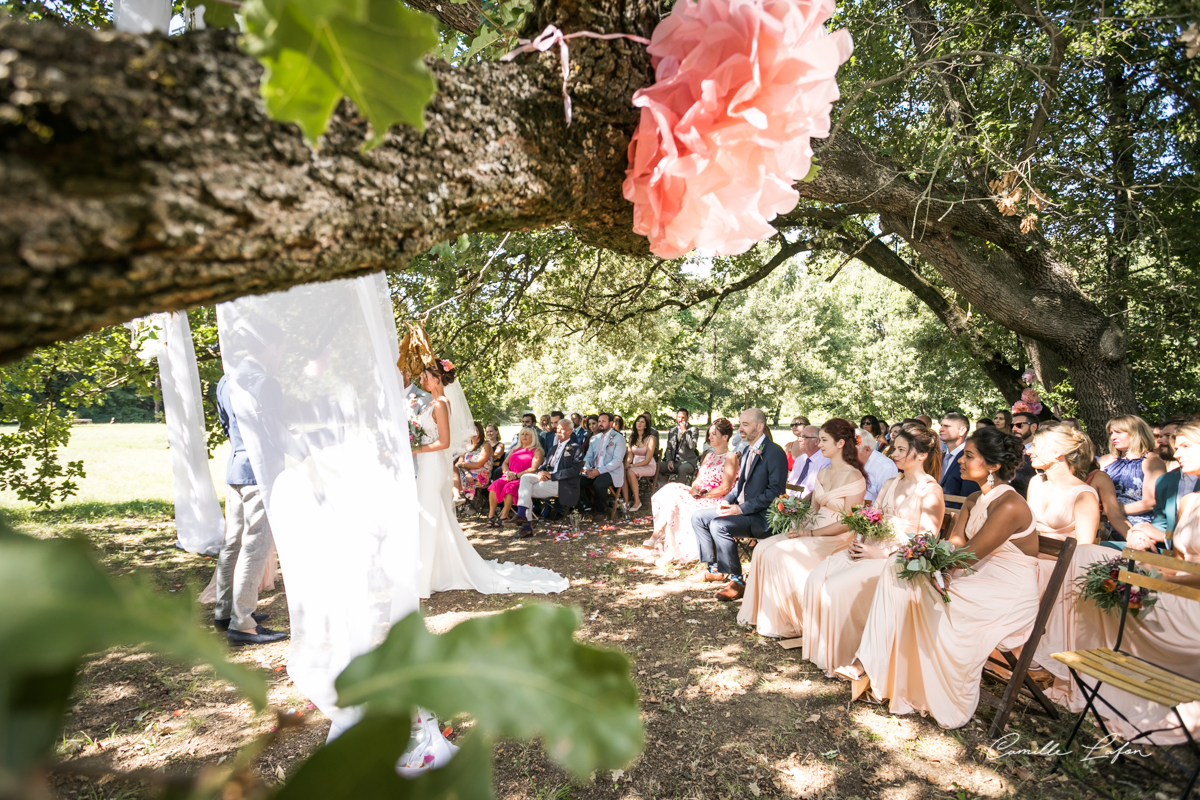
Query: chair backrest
[[955, 498], [1158, 584], [791, 487]]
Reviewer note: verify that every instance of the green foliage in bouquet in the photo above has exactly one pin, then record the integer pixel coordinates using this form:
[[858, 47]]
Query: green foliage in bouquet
[[787, 513], [927, 556], [868, 522], [1099, 585]]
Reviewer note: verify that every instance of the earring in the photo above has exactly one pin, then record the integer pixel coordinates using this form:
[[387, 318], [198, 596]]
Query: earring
[[991, 481]]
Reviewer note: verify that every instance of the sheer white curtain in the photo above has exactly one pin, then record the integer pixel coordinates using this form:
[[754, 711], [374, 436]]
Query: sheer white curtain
[[318, 399], [142, 16], [199, 525]]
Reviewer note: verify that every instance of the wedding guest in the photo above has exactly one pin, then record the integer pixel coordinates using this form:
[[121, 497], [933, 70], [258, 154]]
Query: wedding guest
[[576, 420], [808, 464], [559, 478], [878, 467], [1113, 510], [608, 466], [838, 593], [953, 434], [885, 432], [643, 446], [782, 563], [1072, 421], [544, 424], [984, 423], [926, 656], [550, 434], [1063, 504], [870, 423], [1169, 491], [1024, 426], [492, 434], [1163, 435], [619, 424], [925, 420], [674, 503], [528, 420], [579, 433], [1003, 420], [473, 469], [680, 456], [524, 459], [761, 479], [593, 441], [796, 446], [1133, 466], [1167, 638]]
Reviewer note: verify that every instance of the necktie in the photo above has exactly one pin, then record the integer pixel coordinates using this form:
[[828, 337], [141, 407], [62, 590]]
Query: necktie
[[557, 455], [803, 472]]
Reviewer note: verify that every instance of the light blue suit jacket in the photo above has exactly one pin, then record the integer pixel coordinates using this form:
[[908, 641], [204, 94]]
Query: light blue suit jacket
[[611, 457]]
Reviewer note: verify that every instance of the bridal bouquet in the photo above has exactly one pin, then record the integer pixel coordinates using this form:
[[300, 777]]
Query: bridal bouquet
[[416, 434], [1099, 584], [927, 555], [787, 513], [869, 524]]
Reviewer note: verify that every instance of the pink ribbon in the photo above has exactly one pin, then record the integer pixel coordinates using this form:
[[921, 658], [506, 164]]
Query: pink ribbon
[[552, 36]]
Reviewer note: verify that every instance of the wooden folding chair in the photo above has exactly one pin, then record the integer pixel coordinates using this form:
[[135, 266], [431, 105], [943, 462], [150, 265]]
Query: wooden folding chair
[[1062, 550], [1132, 674]]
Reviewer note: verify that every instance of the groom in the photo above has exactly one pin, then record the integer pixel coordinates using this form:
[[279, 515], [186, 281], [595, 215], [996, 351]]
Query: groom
[[761, 479]]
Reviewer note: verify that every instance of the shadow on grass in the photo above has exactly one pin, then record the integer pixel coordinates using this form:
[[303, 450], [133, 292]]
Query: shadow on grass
[[91, 512]]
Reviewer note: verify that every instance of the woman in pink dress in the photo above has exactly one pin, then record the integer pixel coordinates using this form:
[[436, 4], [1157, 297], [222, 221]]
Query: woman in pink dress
[[926, 655], [524, 459], [643, 446], [781, 564], [1166, 636], [674, 503], [838, 593]]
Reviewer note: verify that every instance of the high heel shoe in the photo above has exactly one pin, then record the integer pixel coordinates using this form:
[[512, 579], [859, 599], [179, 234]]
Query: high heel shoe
[[859, 684]]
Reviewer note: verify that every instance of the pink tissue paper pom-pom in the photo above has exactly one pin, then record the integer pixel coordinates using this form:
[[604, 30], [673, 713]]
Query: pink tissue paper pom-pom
[[1021, 407], [741, 87], [1028, 376], [1030, 396]]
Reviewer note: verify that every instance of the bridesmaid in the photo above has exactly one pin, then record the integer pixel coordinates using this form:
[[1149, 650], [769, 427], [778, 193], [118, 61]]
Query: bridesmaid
[[1166, 637], [1063, 504], [838, 593], [674, 503], [524, 459], [643, 445], [927, 656], [781, 564]]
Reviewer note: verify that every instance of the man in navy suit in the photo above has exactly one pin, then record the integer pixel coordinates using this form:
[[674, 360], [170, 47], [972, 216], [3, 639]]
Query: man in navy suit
[[761, 479], [559, 477], [953, 433]]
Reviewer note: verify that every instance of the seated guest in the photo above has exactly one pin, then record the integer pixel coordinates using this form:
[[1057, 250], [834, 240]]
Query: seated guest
[[761, 479], [619, 425], [579, 433], [524, 459], [1003, 419], [1025, 425], [984, 423], [1163, 436], [528, 420], [885, 433], [1169, 491], [674, 503], [473, 469], [925, 656], [953, 433], [608, 467], [1133, 466], [559, 477], [549, 435], [878, 467], [593, 425], [782, 563], [1167, 638], [870, 423], [1063, 505], [809, 462], [1117, 526], [837, 595], [544, 425], [576, 420], [643, 447], [492, 434], [681, 455], [794, 447]]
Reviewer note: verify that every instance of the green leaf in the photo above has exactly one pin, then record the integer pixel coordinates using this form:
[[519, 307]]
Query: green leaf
[[484, 39], [813, 169], [316, 51], [59, 606], [519, 674], [216, 13], [361, 765]]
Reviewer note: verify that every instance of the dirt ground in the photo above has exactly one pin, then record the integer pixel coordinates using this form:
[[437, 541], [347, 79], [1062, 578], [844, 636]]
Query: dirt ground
[[728, 714]]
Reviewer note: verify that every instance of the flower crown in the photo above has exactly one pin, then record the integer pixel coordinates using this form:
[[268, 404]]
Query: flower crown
[[446, 365]]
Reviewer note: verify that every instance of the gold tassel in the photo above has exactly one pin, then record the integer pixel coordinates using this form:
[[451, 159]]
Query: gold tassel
[[415, 352]]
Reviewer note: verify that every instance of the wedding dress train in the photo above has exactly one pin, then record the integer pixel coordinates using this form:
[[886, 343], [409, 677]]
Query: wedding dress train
[[448, 561]]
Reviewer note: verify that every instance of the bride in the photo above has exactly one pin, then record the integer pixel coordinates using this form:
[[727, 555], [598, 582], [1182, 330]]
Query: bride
[[448, 561]]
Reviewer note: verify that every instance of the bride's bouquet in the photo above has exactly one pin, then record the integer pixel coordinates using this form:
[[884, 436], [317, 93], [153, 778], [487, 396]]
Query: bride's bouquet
[[416, 438], [869, 524], [927, 555]]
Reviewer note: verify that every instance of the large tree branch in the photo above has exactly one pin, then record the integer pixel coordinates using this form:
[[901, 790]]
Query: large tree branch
[[463, 17], [1058, 49]]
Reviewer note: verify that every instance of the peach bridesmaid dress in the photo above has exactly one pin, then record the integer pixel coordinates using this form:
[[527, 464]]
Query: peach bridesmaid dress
[[1169, 637], [780, 566], [838, 593], [926, 655]]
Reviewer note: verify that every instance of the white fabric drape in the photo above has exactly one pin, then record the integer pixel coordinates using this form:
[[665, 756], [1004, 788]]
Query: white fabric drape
[[318, 400], [142, 16], [462, 423], [199, 525]]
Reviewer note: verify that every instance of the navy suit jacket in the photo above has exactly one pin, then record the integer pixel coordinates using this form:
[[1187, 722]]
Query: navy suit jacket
[[568, 473], [765, 481], [953, 483]]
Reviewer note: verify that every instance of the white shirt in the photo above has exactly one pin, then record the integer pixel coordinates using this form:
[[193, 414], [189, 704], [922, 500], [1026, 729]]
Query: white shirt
[[950, 458], [750, 456], [557, 455], [817, 462], [879, 469]]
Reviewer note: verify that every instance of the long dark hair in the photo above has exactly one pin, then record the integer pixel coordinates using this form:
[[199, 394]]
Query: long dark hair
[[922, 440], [635, 438], [998, 448], [870, 423], [843, 429]]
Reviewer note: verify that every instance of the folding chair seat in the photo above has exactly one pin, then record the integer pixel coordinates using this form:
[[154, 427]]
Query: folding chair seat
[[1062, 551], [1126, 671]]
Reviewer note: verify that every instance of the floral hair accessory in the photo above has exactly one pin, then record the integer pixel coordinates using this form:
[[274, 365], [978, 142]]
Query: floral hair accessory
[[446, 365]]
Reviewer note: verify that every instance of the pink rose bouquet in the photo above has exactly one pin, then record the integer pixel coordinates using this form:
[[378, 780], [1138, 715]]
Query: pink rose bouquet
[[869, 524]]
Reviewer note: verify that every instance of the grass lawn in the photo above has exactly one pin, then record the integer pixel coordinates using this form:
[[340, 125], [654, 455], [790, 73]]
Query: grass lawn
[[728, 714]]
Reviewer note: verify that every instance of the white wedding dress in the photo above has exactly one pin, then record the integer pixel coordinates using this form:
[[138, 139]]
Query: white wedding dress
[[448, 561]]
